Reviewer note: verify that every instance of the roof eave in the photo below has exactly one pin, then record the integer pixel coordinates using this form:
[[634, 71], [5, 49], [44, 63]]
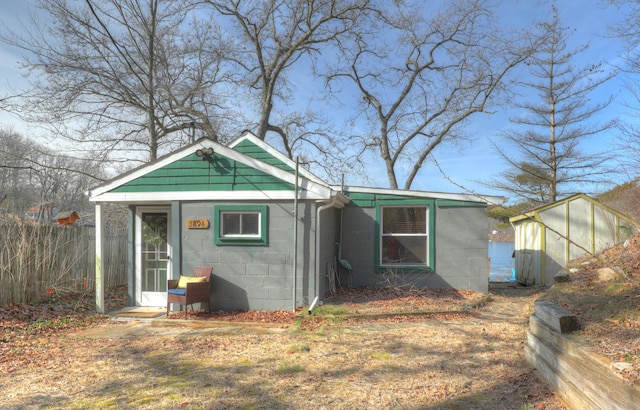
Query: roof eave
[[490, 200]]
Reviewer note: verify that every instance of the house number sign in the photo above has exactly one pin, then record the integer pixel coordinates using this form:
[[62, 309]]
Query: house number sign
[[197, 223]]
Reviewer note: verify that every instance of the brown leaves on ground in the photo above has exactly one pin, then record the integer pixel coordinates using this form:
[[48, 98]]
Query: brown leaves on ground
[[436, 362], [253, 316], [24, 328], [398, 300], [608, 311], [392, 304], [432, 363]]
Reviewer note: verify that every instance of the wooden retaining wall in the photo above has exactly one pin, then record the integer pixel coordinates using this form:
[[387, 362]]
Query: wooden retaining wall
[[581, 379]]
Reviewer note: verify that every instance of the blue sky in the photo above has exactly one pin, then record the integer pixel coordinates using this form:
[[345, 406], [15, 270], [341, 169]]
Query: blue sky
[[464, 165]]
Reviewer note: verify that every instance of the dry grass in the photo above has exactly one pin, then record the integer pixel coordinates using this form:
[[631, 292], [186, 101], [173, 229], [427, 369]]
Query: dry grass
[[470, 361], [468, 358], [608, 311]]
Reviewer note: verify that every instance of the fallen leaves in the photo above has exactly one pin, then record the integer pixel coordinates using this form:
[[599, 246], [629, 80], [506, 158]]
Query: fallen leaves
[[437, 363], [25, 329], [608, 311], [253, 316]]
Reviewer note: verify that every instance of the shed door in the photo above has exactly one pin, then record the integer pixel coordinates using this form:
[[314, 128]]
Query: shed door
[[152, 256], [529, 251], [527, 267]]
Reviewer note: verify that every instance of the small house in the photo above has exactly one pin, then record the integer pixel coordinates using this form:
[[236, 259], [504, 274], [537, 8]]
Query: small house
[[279, 237], [67, 218], [547, 238]]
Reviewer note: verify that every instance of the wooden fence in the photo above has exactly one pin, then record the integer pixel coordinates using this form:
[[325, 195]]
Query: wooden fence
[[39, 261]]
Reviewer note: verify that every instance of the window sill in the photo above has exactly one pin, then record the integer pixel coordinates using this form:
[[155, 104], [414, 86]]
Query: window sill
[[404, 269], [240, 242]]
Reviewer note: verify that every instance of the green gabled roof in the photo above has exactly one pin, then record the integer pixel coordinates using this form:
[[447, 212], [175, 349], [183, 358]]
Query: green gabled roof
[[191, 173], [226, 174], [251, 149], [251, 146]]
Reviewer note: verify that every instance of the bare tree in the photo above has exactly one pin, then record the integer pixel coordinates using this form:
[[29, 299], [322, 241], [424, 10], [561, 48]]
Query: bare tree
[[628, 30], [558, 116], [421, 74], [275, 35], [15, 197], [32, 175], [127, 75]]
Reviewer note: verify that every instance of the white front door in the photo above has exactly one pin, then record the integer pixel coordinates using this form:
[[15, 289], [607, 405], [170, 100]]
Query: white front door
[[153, 252]]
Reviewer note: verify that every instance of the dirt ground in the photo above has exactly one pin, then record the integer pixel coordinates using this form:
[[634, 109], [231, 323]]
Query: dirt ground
[[470, 357], [364, 348]]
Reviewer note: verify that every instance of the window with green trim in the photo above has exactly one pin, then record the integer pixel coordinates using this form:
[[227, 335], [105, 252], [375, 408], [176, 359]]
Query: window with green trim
[[240, 224], [404, 236]]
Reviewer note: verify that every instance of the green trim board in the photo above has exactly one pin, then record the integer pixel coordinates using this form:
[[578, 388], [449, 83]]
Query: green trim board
[[220, 240], [191, 173], [430, 266], [452, 203], [369, 200]]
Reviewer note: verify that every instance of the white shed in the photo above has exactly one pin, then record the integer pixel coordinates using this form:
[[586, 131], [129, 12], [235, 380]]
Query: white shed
[[547, 238]]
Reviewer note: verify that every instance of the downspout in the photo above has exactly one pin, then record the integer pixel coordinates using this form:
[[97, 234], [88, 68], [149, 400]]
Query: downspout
[[331, 204]]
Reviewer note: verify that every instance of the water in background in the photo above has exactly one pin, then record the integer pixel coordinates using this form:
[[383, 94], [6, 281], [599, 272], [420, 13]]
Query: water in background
[[502, 261]]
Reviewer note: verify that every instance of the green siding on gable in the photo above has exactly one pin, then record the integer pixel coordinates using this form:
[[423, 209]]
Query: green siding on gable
[[252, 150], [193, 174]]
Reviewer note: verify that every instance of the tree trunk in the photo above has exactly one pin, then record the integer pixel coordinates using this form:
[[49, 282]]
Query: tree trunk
[[153, 136]]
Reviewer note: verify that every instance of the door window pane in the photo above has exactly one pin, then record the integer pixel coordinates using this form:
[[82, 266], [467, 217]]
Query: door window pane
[[154, 249]]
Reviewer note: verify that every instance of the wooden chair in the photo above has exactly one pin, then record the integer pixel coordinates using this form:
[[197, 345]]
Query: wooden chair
[[192, 293]]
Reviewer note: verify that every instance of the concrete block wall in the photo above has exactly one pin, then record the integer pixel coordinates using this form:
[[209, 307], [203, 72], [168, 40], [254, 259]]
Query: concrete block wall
[[328, 249], [260, 277], [461, 247], [358, 245], [252, 277]]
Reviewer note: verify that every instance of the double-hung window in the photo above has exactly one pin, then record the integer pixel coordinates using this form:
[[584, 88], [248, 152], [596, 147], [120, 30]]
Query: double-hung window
[[240, 224], [404, 236]]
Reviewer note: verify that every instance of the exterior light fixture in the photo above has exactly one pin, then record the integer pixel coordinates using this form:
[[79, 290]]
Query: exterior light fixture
[[205, 153]]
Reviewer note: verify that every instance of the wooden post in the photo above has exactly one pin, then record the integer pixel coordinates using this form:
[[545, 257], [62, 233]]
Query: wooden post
[[99, 259]]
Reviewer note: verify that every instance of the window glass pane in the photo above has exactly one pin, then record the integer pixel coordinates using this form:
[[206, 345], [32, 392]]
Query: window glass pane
[[250, 224], [163, 251], [399, 220], [404, 250], [230, 223], [241, 225]]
